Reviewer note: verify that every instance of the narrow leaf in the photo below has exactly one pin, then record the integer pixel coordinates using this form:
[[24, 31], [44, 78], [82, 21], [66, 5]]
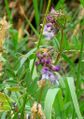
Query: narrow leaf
[[71, 85], [49, 101]]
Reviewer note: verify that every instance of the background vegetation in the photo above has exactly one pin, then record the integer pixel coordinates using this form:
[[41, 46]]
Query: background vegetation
[[22, 95]]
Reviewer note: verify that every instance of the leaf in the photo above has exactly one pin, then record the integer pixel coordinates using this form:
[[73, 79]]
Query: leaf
[[60, 4], [35, 4], [25, 57], [4, 102], [71, 85], [59, 106], [34, 75], [14, 35], [13, 89], [82, 2], [49, 101]]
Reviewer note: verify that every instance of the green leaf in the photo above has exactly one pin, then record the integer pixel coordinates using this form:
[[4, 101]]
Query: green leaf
[[34, 75], [59, 106], [13, 89], [35, 4], [82, 2], [60, 4], [71, 85], [4, 102], [25, 57], [14, 36], [49, 101]]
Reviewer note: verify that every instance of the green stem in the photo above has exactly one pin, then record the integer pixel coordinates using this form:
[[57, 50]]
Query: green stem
[[40, 95], [23, 106], [38, 45], [37, 18], [61, 44], [32, 27]]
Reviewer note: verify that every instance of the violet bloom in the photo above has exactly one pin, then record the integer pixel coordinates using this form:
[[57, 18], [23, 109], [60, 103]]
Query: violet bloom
[[48, 61], [37, 63], [56, 68], [39, 55], [49, 75], [55, 13], [45, 61], [49, 31], [50, 19]]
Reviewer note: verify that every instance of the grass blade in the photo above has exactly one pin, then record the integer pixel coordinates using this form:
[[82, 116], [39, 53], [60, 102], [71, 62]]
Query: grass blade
[[35, 3], [49, 100], [71, 85]]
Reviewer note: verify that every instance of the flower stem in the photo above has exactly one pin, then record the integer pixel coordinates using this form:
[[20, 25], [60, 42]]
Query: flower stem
[[61, 44], [38, 45]]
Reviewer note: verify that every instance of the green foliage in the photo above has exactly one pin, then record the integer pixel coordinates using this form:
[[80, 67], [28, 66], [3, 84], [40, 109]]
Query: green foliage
[[35, 3], [82, 2], [71, 85], [19, 78], [49, 101]]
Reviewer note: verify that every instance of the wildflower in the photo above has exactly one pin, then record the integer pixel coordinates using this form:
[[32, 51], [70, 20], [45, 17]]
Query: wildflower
[[39, 55], [55, 13], [49, 31], [51, 27], [48, 71], [56, 68], [49, 75], [43, 59], [37, 63]]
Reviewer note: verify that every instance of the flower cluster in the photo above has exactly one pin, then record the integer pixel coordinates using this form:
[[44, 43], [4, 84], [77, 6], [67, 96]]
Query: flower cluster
[[48, 70], [51, 27]]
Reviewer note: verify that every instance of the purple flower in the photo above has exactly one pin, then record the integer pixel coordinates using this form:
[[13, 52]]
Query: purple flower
[[45, 70], [43, 60], [49, 75], [52, 27], [56, 68], [37, 63], [50, 19], [47, 61], [39, 55], [55, 13], [49, 31]]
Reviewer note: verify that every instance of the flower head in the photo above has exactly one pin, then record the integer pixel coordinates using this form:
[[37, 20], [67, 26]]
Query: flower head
[[49, 75], [48, 70], [49, 31], [51, 27], [56, 68], [55, 13]]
